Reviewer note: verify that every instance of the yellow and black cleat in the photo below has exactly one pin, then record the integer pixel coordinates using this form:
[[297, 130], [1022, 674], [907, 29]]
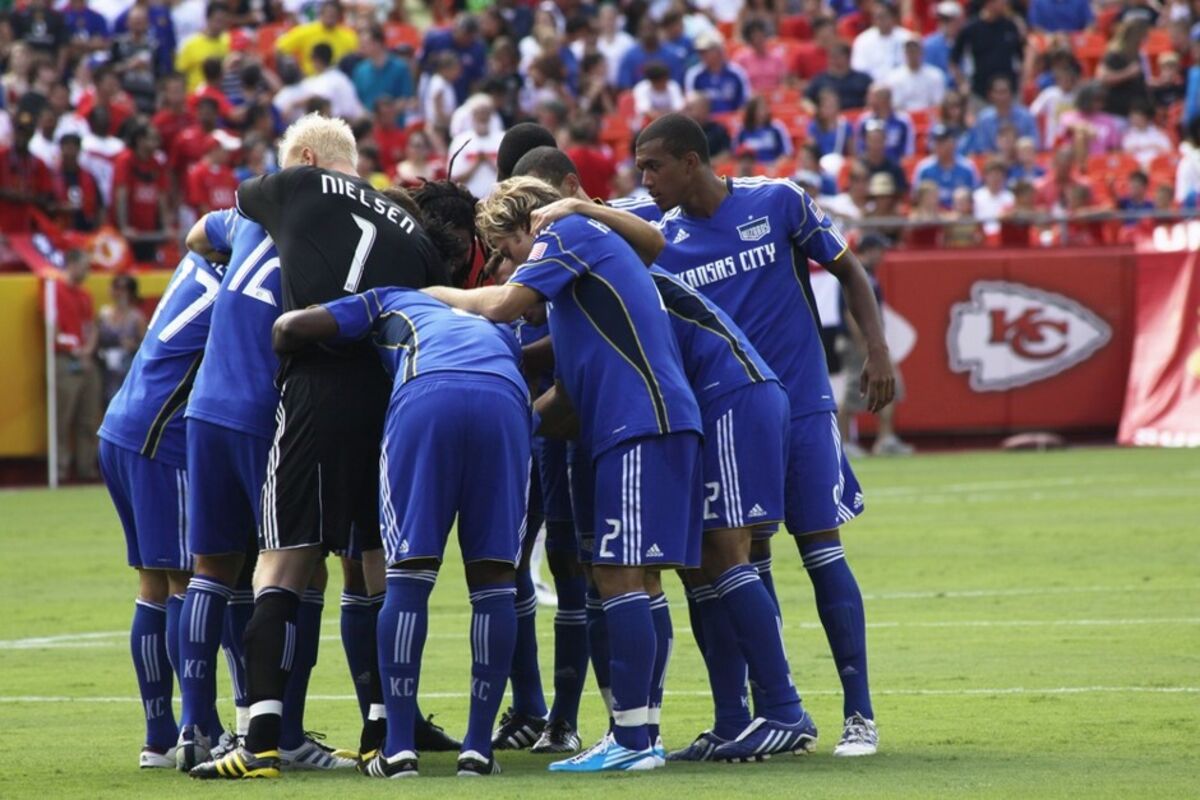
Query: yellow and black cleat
[[239, 764], [364, 758]]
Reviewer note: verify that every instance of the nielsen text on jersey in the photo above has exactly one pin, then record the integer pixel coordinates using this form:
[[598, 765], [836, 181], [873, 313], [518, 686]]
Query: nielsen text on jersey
[[331, 184]]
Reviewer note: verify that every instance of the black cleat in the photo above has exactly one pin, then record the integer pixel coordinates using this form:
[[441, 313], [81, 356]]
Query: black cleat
[[401, 765], [558, 737], [517, 731], [239, 764], [473, 765], [430, 738]]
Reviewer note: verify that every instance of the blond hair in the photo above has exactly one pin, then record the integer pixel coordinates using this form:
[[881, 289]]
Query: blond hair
[[330, 139], [507, 209]]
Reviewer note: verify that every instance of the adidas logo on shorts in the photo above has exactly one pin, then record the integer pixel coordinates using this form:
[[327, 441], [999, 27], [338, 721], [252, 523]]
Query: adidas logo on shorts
[[756, 512], [654, 552], [404, 547], [680, 235]]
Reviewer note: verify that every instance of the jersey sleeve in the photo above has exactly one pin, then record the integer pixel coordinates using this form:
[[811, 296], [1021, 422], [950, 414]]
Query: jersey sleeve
[[355, 315], [262, 199], [553, 263], [218, 229], [810, 228]]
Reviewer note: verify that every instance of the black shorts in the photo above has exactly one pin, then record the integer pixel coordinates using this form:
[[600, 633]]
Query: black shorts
[[323, 470]]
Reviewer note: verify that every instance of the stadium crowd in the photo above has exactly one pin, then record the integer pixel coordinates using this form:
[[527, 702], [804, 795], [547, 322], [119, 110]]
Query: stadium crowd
[[926, 123]]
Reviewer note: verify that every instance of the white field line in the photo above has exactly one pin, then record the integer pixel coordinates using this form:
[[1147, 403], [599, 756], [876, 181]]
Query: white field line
[[113, 639], [980, 692]]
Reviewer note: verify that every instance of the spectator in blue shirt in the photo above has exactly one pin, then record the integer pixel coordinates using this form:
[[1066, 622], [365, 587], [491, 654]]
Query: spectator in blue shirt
[[897, 127], [829, 130], [945, 168], [463, 40], [1003, 109], [725, 83], [1137, 198], [674, 37], [939, 43], [768, 139], [85, 25], [649, 48], [1191, 98], [162, 31], [1061, 16], [379, 72]]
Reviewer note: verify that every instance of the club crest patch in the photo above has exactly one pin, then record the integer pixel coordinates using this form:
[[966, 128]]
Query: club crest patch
[[755, 229]]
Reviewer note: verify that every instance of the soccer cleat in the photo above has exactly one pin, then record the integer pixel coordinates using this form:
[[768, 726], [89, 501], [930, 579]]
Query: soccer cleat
[[472, 764], [430, 738], [558, 737], [150, 758], [660, 752], [892, 446], [608, 756], [700, 750], [228, 741], [860, 737], [193, 748], [313, 755], [764, 738], [401, 765], [517, 731], [239, 764]]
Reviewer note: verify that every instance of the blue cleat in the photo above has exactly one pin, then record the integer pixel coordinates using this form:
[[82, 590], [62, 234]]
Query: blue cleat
[[700, 750], [764, 738], [660, 752], [608, 756]]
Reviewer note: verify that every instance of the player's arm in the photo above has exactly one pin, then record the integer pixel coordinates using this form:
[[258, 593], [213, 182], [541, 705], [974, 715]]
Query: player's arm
[[198, 242], [295, 330], [646, 239], [497, 303], [538, 358], [878, 379], [554, 416]]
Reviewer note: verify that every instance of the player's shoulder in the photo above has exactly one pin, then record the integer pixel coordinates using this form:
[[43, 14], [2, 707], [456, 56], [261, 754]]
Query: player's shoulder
[[573, 228], [764, 187]]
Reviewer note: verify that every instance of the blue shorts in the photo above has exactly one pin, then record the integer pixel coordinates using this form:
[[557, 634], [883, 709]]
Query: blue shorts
[[455, 444], [228, 468], [550, 459], [745, 457], [151, 500], [581, 478], [648, 502], [821, 490]]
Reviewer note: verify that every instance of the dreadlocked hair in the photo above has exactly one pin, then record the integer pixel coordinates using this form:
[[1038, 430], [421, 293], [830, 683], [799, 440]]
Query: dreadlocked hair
[[442, 209]]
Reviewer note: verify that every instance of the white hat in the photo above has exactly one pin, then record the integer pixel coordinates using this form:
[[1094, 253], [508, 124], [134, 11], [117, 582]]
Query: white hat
[[949, 9]]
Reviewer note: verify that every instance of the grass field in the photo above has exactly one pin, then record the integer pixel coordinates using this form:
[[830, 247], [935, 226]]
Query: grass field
[[1034, 629]]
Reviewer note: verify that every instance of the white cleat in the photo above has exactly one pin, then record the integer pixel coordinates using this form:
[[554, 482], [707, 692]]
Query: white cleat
[[859, 738], [312, 755], [152, 759]]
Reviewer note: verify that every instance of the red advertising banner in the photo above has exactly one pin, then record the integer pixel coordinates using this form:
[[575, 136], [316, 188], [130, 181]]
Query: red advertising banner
[[1162, 399], [1009, 340]]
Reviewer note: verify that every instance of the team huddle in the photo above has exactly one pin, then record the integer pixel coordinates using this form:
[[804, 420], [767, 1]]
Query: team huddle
[[327, 372]]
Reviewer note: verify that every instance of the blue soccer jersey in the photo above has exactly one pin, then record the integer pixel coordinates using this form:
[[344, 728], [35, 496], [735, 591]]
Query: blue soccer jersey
[[613, 345], [751, 259], [417, 335], [716, 354], [146, 415], [235, 387], [644, 207]]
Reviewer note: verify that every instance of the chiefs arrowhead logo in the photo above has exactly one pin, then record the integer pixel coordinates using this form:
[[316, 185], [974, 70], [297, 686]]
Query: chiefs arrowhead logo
[[1012, 335]]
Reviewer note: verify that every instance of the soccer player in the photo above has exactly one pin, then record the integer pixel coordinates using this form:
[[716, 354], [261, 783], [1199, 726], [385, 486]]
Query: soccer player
[[143, 458], [745, 413], [232, 413], [456, 443], [619, 363], [336, 236], [746, 244]]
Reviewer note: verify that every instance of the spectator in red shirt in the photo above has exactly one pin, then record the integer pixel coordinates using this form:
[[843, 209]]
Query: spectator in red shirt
[[107, 93], [191, 142], [1051, 190], [173, 113], [211, 183], [140, 189], [593, 160], [77, 198], [812, 57], [390, 138], [211, 87], [25, 182], [77, 378]]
